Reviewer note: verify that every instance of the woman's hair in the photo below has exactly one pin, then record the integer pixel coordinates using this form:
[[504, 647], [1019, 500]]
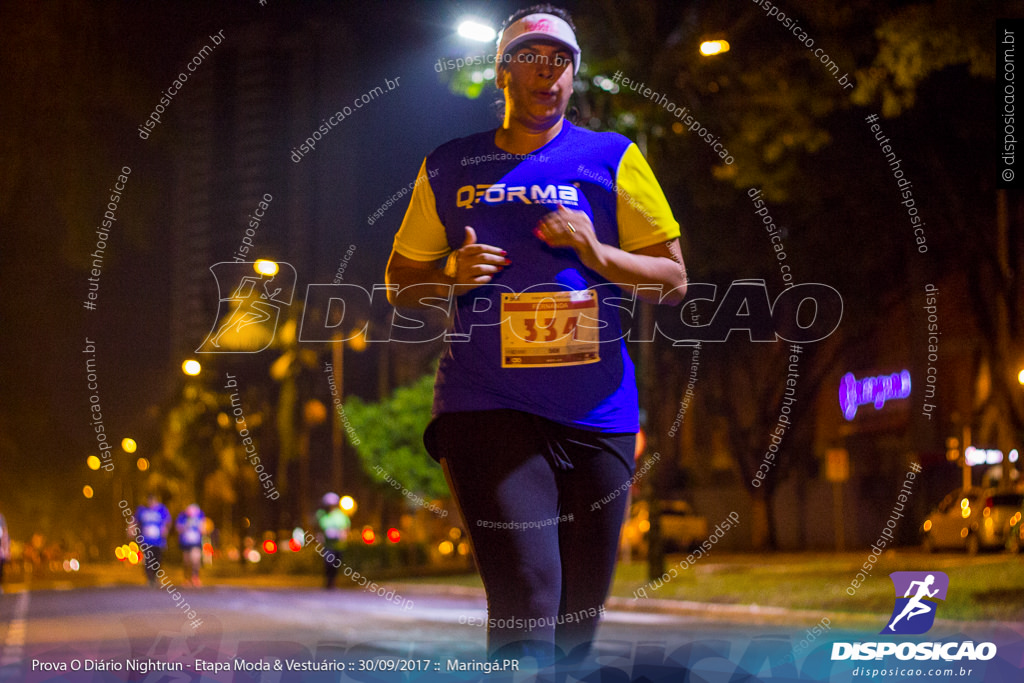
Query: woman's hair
[[572, 113]]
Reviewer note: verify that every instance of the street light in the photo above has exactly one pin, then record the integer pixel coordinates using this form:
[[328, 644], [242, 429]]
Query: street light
[[191, 367], [358, 342], [472, 29], [265, 267], [713, 47], [128, 445]]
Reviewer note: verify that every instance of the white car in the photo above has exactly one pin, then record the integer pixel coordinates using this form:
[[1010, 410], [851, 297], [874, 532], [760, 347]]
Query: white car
[[971, 520]]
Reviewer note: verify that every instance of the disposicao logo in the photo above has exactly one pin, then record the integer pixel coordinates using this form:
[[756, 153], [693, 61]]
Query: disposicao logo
[[914, 613], [917, 594], [251, 298]]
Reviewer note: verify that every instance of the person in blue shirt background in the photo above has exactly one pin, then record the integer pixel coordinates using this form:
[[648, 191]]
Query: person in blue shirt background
[[190, 526], [154, 520], [536, 229]]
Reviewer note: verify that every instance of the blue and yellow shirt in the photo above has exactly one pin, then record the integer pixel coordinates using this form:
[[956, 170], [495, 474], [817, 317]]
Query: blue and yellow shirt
[[472, 182]]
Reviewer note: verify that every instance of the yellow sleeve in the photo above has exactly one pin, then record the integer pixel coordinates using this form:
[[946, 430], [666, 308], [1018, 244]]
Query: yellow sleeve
[[422, 236], [643, 213]]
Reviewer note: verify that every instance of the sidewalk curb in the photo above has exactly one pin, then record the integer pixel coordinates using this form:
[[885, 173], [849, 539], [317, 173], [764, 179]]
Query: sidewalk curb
[[748, 614], [761, 613], [710, 610]]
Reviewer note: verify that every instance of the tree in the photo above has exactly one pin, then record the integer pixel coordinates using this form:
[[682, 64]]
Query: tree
[[388, 435]]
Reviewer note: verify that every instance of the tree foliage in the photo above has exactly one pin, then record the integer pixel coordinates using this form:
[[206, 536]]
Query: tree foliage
[[923, 39], [389, 434]]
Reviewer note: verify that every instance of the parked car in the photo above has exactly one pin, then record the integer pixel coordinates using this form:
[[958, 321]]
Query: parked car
[[972, 520], [682, 529]]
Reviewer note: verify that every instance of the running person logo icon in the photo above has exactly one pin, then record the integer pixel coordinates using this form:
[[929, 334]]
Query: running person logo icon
[[249, 308], [914, 613]]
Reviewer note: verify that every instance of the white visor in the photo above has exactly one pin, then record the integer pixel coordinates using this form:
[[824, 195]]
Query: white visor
[[539, 27]]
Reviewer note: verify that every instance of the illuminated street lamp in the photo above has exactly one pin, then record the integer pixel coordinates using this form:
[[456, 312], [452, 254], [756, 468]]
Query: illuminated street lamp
[[191, 367], [713, 47], [93, 462], [265, 267], [1020, 376], [473, 29], [128, 445], [358, 342]]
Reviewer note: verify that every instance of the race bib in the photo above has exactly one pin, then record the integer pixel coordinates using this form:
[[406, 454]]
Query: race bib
[[549, 329]]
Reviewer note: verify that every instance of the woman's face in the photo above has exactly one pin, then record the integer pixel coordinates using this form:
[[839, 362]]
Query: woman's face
[[537, 80]]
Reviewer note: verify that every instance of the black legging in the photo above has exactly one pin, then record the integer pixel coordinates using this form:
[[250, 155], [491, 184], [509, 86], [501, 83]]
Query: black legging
[[508, 469]]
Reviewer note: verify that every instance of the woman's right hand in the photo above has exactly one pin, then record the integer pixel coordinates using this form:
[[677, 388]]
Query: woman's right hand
[[412, 283], [475, 264]]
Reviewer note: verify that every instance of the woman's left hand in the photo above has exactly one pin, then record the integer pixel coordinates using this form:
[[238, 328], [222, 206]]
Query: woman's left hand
[[567, 229]]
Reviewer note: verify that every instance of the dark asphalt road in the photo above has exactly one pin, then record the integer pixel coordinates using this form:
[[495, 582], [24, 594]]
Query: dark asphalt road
[[108, 629]]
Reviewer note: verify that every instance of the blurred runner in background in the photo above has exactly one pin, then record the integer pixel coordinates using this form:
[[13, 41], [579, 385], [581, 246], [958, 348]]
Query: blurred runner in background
[[154, 519], [190, 525], [334, 525]]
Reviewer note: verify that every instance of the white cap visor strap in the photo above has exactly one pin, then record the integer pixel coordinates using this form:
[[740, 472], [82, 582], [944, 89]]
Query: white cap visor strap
[[539, 27]]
